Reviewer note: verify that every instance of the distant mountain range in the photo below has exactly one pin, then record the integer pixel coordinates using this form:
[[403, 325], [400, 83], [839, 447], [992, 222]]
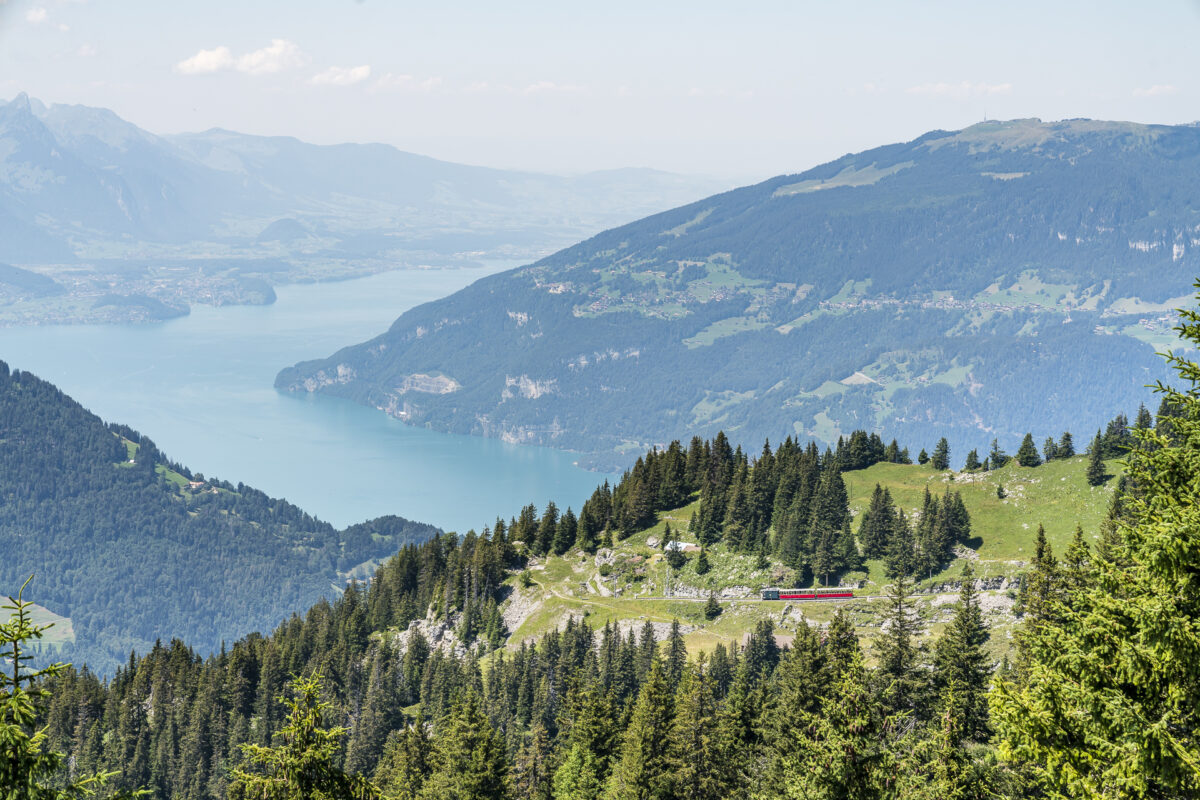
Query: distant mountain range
[[977, 284], [80, 183], [132, 547]]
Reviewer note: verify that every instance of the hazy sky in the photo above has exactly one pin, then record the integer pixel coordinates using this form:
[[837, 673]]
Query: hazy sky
[[737, 89]]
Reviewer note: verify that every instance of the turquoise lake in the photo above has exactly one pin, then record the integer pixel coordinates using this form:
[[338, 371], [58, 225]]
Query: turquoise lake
[[201, 387]]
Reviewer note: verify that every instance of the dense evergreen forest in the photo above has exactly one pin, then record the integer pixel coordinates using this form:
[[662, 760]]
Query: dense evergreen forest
[[133, 547], [612, 713]]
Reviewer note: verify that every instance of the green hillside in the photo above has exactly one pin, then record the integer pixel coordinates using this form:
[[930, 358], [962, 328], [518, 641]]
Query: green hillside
[[128, 547], [971, 284], [628, 584]]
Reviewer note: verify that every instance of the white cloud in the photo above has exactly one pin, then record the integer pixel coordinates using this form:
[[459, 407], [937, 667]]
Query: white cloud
[[543, 87], [393, 82], [86, 50], [278, 56], [341, 76], [963, 89], [1158, 90], [206, 61], [35, 16]]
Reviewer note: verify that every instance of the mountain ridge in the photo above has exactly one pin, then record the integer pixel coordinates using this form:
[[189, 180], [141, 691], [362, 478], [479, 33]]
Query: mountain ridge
[[960, 262]]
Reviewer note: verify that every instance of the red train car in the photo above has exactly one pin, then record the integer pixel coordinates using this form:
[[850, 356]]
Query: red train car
[[773, 593]]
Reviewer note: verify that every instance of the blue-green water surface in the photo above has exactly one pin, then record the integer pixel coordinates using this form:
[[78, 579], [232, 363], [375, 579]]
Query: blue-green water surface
[[201, 387]]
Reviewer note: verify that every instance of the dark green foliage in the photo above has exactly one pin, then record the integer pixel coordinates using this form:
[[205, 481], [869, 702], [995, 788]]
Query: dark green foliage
[[961, 668], [302, 766], [922, 457], [28, 770], [941, 455], [997, 458], [468, 761], [898, 680], [702, 565], [712, 609], [100, 521], [972, 463], [1027, 453], [1096, 473], [1106, 702]]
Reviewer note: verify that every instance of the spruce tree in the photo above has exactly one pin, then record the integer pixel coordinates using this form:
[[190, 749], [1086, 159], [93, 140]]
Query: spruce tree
[[702, 565], [566, 532], [1027, 453], [1066, 446], [712, 609], [643, 770], [838, 752], [1049, 449], [922, 457], [941, 455], [404, 767], [1096, 474], [304, 764], [961, 668], [468, 761], [898, 680], [676, 655], [693, 747], [972, 463], [28, 770], [1113, 685], [997, 457]]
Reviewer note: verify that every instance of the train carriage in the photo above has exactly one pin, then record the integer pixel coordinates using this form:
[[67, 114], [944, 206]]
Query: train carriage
[[775, 593]]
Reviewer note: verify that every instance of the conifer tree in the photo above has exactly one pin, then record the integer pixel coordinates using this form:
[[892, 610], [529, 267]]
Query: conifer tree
[[676, 655], [900, 558], [28, 770], [702, 565], [972, 463], [941, 455], [1096, 474], [1049, 449], [897, 677], [961, 668], [839, 753], [404, 767], [1111, 697], [303, 765], [922, 457], [546, 529], [468, 761], [712, 609], [997, 457], [566, 531], [643, 767], [694, 755], [932, 763], [1066, 446], [1027, 454]]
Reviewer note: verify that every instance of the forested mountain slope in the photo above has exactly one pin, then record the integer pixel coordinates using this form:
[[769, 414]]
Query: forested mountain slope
[[134, 548], [973, 284], [439, 678]]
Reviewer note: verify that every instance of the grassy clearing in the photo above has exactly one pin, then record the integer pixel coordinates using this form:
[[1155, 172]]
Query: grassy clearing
[[627, 584], [722, 328], [62, 632]]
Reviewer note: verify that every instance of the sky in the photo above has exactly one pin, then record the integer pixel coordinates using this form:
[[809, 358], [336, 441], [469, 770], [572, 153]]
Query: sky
[[734, 90]]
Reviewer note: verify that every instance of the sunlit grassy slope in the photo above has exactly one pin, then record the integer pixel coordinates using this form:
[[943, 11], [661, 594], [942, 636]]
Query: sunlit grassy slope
[[632, 583]]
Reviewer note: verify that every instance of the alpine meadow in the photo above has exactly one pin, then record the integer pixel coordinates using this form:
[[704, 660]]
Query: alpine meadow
[[670, 402]]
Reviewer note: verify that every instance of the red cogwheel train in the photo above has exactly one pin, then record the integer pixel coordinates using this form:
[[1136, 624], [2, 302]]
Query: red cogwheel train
[[774, 593]]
